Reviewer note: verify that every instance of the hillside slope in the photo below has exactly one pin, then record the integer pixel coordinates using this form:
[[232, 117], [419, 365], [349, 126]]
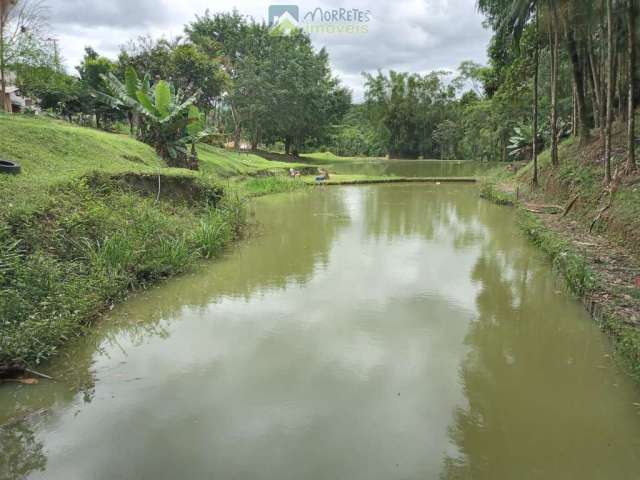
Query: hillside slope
[[52, 152], [85, 222]]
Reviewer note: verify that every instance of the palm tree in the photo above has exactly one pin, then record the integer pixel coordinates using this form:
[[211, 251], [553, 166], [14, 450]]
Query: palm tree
[[516, 16]]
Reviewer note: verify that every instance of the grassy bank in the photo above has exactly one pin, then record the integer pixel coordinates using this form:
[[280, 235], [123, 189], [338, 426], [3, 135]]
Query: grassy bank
[[600, 267], [92, 217], [340, 179]]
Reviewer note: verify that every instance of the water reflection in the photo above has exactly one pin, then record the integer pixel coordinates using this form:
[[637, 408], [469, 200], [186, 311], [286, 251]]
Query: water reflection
[[542, 399], [367, 332], [412, 168], [21, 452]]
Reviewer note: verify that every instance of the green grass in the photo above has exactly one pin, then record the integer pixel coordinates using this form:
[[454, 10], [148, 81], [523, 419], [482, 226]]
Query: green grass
[[223, 163], [354, 179], [81, 227], [489, 190], [258, 186], [324, 158], [63, 265], [53, 152]]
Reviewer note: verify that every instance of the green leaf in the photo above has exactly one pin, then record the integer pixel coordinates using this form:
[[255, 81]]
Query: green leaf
[[163, 98], [120, 97], [146, 83], [195, 121], [147, 104], [181, 109], [131, 81]]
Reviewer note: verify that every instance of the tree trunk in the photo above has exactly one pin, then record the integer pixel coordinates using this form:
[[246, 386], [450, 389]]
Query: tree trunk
[[3, 81], [193, 163], [574, 110], [609, 119], [3, 87], [621, 79], [237, 135], [255, 141], [554, 85], [616, 72], [582, 120], [536, 67], [632, 14], [295, 150], [287, 146], [595, 86]]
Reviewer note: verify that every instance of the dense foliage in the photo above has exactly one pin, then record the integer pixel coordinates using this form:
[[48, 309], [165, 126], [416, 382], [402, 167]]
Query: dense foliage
[[252, 86], [556, 68]]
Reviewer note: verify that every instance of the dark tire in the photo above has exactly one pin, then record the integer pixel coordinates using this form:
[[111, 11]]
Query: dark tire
[[9, 167]]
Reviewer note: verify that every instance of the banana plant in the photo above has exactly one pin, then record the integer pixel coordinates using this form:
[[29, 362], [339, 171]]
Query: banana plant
[[166, 119]]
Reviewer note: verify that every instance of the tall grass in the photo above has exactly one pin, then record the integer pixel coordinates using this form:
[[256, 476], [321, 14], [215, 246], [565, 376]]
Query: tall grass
[[62, 265], [213, 233], [272, 184]]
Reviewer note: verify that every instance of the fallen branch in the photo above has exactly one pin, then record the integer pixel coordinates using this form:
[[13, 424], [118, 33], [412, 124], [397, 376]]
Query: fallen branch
[[611, 189], [548, 209], [16, 371], [599, 216], [38, 374], [571, 204]]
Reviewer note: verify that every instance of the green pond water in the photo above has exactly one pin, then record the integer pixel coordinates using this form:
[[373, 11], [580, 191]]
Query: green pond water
[[412, 168], [376, 332]]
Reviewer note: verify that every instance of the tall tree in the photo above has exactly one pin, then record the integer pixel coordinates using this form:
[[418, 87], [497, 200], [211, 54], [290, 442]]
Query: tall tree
[[92, 71], [19, 19], [536, 69], [572, 25], [555, 54], [609, 95], [632, 15]]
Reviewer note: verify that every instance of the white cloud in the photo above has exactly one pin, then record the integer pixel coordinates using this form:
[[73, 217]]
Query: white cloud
[[404, 35]]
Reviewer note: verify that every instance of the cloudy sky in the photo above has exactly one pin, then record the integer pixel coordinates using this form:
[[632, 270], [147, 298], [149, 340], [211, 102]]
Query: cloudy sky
[[404, 35]]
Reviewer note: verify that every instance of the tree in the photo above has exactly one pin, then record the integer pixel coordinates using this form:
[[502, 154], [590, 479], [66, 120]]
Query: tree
[[572, 24], [170, 122], [447, 136], [632, 15], [229, 37], [278, 88], [513, 20], [406, 109], [193, 70], [555, 59], [609, 95], [92, 71], [536, 69], [19, 21], [189, 66]]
